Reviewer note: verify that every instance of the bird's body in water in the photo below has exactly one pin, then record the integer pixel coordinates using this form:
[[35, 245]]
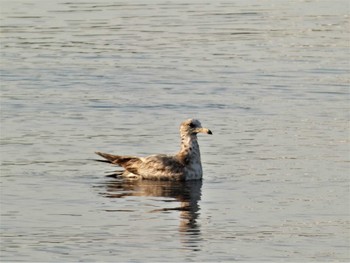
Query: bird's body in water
[[183, 166]]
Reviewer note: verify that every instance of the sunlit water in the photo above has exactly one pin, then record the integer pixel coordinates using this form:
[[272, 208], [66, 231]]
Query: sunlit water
[[269, 78]]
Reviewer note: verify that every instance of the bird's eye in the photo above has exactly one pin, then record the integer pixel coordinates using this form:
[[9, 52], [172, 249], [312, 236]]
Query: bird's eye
[[192, 125]]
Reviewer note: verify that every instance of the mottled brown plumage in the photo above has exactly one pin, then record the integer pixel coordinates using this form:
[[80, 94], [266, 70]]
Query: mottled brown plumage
[[183, 166]]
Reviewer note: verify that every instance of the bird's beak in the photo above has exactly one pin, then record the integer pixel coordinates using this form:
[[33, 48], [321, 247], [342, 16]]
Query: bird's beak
[[203, 130]]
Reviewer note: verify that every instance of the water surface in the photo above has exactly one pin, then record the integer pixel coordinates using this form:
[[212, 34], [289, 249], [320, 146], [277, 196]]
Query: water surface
[[269, 78]]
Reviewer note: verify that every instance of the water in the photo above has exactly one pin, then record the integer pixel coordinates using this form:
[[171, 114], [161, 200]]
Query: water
[[269, 78]]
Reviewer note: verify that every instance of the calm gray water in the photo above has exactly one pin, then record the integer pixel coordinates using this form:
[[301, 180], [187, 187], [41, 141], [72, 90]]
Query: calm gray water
[[270, 78]]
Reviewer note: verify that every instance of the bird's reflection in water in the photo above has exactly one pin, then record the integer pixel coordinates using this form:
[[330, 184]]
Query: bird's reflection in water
[[187, 194]]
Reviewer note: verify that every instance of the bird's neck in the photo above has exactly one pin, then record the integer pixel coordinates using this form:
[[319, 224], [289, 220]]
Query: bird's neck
[[189, 151]]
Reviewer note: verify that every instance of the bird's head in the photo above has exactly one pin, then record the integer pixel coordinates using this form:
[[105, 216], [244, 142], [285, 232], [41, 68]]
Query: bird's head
[[192, 127]]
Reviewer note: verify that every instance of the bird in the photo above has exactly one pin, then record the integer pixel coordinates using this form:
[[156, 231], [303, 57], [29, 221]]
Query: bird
[[183, 166]]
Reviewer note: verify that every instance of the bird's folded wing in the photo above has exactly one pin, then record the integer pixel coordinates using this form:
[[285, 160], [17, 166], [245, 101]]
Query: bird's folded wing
[[156, 166]]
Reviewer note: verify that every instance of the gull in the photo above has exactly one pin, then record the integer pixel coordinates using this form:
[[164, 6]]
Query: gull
[[183, 166]]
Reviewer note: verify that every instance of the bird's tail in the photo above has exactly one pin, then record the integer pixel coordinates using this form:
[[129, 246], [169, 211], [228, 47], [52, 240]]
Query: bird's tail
[[124, 161], [109, 158]]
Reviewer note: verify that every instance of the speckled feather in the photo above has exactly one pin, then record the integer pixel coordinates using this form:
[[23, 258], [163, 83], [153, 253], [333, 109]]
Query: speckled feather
[[183, 166]]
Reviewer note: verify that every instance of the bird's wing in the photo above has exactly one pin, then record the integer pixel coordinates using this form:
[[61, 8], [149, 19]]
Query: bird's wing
[[160, 167], [156, 167]]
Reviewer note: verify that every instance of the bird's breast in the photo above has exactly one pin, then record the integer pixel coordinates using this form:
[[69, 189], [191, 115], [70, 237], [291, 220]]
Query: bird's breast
[[193, 171]]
